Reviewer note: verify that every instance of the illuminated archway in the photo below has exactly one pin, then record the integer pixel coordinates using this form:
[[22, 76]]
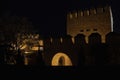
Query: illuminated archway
[[61, 58]]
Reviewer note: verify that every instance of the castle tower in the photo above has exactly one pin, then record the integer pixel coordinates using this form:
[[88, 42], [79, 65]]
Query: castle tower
[[97, 20]]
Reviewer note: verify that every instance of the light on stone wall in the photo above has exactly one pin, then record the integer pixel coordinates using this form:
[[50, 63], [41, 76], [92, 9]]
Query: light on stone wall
[[81, 13], [41, 42], [76, 14], [71, 16], [88, 13], [56, 58], [35, 48], [37, 36], [41, 48], [95, 11], [27, 52]]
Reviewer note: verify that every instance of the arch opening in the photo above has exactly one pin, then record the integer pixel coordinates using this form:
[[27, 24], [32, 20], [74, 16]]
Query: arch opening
[[61, 59]]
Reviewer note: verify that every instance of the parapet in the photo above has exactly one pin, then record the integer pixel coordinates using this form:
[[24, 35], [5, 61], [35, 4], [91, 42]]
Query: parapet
[[80, 38], [89, 12]]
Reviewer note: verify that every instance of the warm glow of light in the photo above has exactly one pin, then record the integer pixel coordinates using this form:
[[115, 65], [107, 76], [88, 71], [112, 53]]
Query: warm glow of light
[[41, 48], [88, 13], [56, 58], [27, 52], [35, 48], [71, 16], [94, 11], [61, 40], [23, 47], [73, 40], [25, 60], [76, 14], [37, 36], [41, 42], [81, 13]]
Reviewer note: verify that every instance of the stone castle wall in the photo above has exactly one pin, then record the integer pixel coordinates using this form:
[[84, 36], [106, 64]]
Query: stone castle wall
[[81, 53], [89, 21]]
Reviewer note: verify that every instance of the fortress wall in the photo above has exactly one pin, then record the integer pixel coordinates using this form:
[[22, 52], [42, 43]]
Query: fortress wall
[[85, 54]]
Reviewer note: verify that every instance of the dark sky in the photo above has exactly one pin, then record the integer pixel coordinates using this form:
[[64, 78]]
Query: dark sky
[[49, 16]]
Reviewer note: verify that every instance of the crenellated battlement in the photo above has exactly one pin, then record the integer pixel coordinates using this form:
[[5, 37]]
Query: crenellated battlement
[[88, 12], [80, 52], [93, 38]]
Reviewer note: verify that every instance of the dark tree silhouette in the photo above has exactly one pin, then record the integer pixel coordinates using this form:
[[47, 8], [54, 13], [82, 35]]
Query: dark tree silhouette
[[12, 27]]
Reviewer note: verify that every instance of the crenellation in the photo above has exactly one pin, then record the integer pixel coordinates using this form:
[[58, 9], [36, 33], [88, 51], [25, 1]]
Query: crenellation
[[107, 8], [93, 11], [85, 13], [51, 39], [89, 12], [61, 39], [70, 15], [92, 38], [99, 10], [81, 13], [76, 14]]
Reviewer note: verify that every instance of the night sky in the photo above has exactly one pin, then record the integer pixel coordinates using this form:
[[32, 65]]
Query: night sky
[[49, 16]]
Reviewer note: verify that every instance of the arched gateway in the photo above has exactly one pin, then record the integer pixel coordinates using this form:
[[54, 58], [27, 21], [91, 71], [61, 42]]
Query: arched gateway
[[61, 59]]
